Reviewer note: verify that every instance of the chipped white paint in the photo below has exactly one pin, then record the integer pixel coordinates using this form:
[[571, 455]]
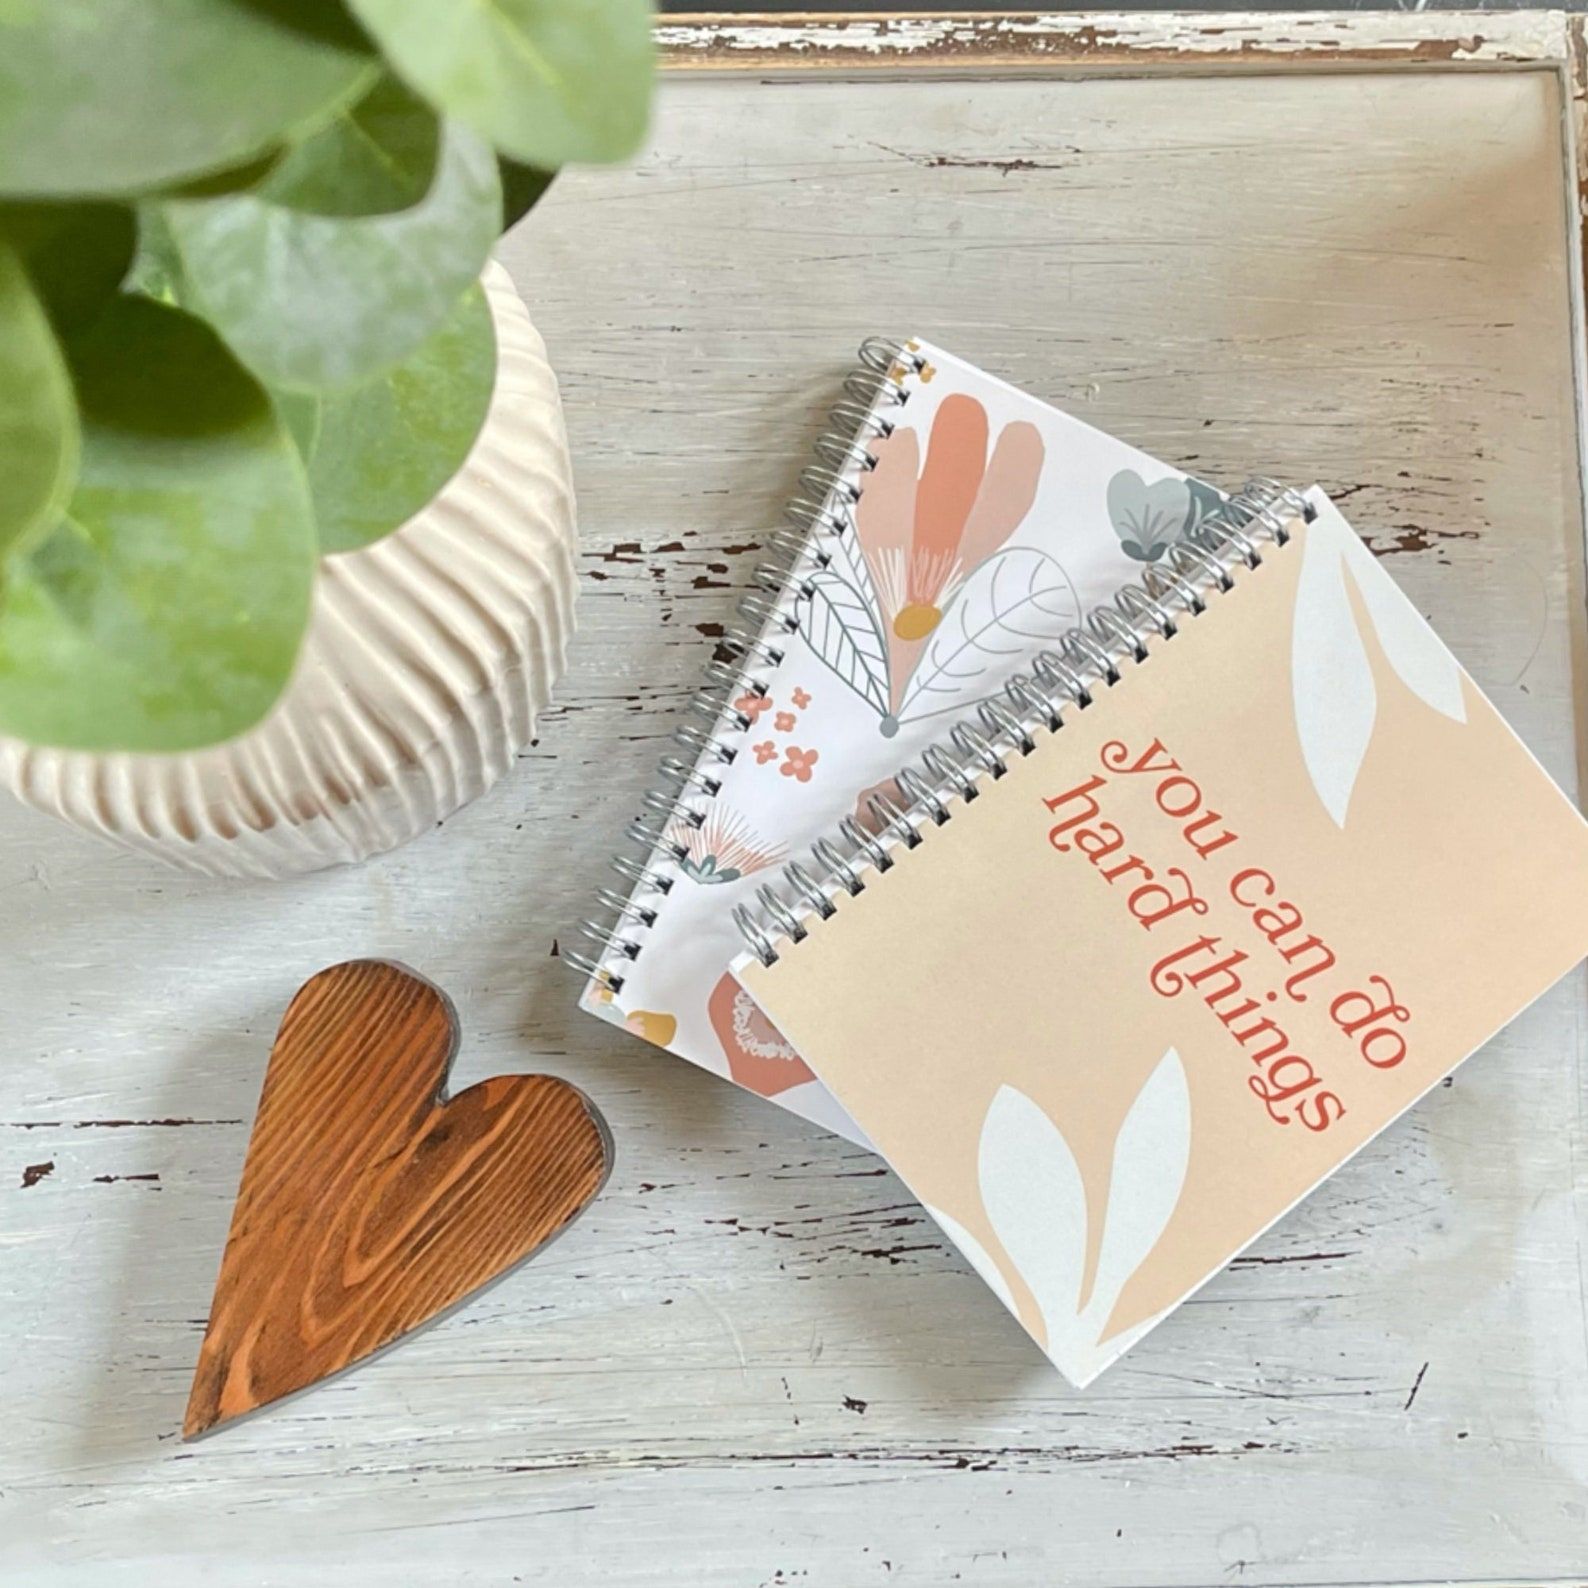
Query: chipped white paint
[[1123, 41], [754, 1361]]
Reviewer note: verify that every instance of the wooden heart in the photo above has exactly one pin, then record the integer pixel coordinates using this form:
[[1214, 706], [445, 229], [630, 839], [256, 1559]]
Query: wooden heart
[[371, 1202]]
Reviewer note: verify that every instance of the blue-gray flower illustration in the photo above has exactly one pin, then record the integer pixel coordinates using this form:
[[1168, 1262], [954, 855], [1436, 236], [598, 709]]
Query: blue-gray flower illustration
[[1149, 519]]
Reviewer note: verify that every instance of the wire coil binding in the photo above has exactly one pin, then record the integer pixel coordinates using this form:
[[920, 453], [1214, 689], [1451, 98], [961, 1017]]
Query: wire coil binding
[[1091, 656], [823, 508]]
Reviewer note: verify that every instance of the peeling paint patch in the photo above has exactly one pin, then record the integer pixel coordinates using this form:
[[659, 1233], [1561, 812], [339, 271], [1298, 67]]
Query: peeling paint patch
[[1060, 41], [1413, 538], [1252, 1260], [35, 1172]]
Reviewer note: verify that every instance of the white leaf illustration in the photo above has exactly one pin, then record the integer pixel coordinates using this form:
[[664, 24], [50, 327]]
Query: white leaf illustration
[[841, 630], [1151, 1153], [1013, 604], [1033, 1196], [848, 561], [1336, 703], [1330, 680], [1416, 653], [1032, 1193], [977, 1254]]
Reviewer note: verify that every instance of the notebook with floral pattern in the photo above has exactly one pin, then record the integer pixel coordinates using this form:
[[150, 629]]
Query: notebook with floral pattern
[[951, 528]]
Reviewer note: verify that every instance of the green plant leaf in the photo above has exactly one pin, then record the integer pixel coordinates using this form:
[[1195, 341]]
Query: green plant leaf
[[156, 266], [522, 189], [323, 302], [38, 416], [165, 610], [124, 96], [77, 254], [234, 179], [375, 156], [378, 453], [547, 81]]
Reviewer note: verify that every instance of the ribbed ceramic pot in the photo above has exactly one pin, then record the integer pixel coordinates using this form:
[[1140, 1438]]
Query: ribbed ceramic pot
[[428, 656]]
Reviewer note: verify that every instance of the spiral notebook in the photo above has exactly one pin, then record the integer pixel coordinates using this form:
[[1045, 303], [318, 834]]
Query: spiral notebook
[[1236, 875], [949, 528]]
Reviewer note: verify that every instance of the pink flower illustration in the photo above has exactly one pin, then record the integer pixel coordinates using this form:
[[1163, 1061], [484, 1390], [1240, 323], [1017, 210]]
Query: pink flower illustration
[[925, 528], [798, 763], [759, 1056], [765, 751], [724, 847], [784, 721], [752, 704], [802, 698]]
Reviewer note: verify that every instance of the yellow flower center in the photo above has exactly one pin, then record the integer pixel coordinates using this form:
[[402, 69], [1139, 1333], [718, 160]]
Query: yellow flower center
[[916, 621]]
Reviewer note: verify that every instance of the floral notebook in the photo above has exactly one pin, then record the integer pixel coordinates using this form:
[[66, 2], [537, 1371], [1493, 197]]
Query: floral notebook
[[953, 528], [1253, 867]]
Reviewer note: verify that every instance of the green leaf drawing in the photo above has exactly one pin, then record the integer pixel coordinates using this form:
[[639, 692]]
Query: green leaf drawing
[[165, 610], [38, 416], [546, 81], [321, 302], [380, 452], [104, 97]]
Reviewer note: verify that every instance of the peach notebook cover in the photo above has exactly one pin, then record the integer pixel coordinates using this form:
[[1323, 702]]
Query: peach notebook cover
[[1147, 986]]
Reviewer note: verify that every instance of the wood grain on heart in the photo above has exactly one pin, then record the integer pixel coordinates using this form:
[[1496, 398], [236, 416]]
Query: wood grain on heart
[[371, 1202]]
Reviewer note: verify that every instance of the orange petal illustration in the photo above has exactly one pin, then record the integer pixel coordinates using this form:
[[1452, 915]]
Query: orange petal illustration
[[956, 457], [1008, 489], [885, 517], [921, 538]]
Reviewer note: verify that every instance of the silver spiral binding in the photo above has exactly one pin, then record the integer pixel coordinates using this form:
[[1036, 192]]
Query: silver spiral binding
[[749, 652], [1092, 656]]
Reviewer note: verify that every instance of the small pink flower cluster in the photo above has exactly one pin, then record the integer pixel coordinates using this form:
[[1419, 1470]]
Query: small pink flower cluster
[[797, 763]]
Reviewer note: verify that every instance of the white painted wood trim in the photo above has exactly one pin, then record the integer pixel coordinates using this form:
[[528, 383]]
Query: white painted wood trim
[[1090, 42]]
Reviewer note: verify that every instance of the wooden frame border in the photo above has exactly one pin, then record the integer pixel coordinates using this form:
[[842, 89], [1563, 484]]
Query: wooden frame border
[[1127, 44], [1085, 44]]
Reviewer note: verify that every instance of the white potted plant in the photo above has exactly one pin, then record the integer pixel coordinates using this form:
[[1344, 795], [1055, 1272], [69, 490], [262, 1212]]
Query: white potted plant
[[286, 528]]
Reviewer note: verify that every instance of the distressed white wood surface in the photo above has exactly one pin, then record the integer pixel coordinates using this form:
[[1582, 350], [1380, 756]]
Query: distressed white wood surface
[[753, 1362]]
